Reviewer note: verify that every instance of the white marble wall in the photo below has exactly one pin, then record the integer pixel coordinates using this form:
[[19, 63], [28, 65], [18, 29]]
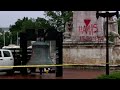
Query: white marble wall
[[90, 55], [94, 25]]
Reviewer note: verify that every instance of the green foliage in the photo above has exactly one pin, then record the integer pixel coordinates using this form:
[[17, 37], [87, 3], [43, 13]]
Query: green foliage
[[1, 41], [7, 39], [58, 19], [42, 23], [113, 75], [22, 24], [18, 25], [29, 24]]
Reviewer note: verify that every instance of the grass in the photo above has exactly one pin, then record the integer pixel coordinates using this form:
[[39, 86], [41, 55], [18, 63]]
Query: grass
[[113, 75]]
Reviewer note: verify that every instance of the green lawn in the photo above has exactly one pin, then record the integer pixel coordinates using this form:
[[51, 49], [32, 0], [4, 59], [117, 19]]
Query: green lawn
[[113, 75]]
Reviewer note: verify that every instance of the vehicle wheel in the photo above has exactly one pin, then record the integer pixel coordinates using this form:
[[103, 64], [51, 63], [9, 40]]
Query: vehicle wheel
[[33, 70], [28, 70], [41, 70], [23, 71], [10, 72]]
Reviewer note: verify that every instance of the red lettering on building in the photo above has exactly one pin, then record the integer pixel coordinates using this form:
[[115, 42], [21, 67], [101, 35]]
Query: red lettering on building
[[88, 32], [87, 21], [91, 38]]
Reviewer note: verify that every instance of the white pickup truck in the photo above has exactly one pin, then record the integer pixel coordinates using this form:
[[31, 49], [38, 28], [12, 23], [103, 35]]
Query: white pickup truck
[[6, 59]]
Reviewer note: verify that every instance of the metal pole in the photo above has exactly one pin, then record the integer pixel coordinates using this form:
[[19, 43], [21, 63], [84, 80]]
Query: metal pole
[[4, 38], [11, 39], [17, 38], [107, 46], [50, 47], [59, 60], [107, 15]]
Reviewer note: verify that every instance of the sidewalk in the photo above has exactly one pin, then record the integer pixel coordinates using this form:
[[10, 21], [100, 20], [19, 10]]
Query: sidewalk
[[67, 74]]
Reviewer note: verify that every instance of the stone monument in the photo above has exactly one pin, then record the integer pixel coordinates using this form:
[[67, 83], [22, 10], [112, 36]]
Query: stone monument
[[86, 42]]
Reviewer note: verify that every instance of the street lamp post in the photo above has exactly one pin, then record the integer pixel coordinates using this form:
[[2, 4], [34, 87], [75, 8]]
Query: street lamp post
[[4, 38], [17, 38], [107, 15]]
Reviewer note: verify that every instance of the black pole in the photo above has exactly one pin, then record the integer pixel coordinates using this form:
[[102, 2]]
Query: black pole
[[23, 46], [59, 59], [107, 46], [107, 15]]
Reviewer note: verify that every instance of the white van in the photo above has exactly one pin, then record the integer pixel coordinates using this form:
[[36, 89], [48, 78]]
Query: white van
[[6, 59]]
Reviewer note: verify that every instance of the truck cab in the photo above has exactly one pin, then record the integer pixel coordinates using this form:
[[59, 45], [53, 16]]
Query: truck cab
[[6, 59]]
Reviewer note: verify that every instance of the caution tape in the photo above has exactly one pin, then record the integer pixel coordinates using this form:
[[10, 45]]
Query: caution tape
[[53, 65]]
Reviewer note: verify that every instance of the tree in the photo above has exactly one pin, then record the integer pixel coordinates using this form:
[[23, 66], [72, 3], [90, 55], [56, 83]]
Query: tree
[[1, 41], [28, 24], [22, 24], [58, 19], [42, 23], [7, 38], [18, 25]]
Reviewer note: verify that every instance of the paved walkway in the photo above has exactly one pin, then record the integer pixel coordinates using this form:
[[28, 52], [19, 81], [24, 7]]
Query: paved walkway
[[67, 74]]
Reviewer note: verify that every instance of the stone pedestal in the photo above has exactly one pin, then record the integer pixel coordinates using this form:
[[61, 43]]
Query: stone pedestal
[[86, 44], [80, 53]]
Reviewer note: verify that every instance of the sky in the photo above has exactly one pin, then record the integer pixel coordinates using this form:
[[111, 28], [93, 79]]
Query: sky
[[8, 18]]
